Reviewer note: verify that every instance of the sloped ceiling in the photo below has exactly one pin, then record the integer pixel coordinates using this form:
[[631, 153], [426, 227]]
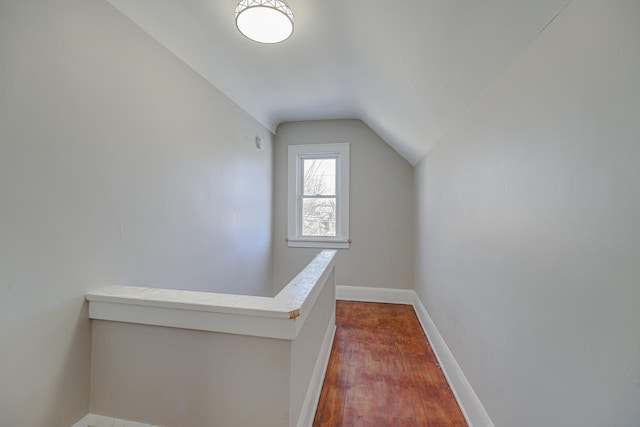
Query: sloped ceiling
[[407, 68]]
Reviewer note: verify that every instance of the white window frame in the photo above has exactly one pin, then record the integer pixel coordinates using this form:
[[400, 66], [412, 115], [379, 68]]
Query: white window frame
[[297, 154]]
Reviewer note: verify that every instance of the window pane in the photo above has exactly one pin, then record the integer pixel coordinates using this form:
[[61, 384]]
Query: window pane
[[319, 177], [319, 217]]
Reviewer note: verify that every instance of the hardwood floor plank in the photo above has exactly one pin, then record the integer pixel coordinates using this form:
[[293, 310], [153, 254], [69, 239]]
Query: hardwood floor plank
[[383, 372]]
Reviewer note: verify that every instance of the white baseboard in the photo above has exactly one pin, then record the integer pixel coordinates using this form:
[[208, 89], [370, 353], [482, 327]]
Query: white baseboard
[[466, 397], [92, 420], [468, 401], [312, 397], [365, 294]]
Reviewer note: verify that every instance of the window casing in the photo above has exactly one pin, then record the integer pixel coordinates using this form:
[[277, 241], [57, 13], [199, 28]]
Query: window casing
[[318, 196]]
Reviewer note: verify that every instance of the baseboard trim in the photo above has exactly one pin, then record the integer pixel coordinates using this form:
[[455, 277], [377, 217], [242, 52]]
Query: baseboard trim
[[469, 403], [367, 294], [317, 378], [473, 410], [93, 420], [471, 407]]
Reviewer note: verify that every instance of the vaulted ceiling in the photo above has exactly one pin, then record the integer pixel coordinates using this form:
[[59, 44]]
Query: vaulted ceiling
[[407, 68]]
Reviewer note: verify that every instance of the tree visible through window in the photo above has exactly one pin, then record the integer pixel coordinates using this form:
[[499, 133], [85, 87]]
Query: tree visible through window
[[319, 198]]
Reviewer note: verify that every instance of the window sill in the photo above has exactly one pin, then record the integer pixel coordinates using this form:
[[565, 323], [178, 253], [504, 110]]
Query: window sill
[[319, 243]]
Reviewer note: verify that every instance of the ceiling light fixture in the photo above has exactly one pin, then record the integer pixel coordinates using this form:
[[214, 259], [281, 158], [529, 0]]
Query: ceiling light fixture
[[265, 21]]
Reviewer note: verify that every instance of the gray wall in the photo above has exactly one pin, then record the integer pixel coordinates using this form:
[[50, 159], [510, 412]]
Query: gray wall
[[182, 378], [381, 207], [305, 350], [118, 164], [529, 228]]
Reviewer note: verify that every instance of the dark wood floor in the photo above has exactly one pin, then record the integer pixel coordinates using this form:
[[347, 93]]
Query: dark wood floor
[[382, 372]]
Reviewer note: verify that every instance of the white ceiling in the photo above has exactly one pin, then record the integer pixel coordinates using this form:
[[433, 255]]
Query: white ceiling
[[408, 68]]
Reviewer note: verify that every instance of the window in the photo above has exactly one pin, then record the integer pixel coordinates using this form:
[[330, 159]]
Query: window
[[318, 195]]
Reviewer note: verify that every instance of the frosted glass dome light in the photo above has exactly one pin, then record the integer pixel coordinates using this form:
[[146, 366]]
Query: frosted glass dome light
[[265, 21]]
